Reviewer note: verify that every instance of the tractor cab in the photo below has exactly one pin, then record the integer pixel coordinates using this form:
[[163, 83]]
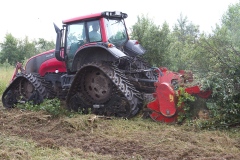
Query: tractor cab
[[80, 33]]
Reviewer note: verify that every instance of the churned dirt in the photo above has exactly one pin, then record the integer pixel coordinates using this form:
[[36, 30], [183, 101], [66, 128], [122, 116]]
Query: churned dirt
[[116, 138]]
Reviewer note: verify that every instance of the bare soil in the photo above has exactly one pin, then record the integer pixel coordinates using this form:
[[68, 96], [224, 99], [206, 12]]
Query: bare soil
[[116, 138]]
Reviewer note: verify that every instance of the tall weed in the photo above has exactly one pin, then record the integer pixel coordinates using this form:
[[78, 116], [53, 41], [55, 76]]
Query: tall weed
[[6, 71]]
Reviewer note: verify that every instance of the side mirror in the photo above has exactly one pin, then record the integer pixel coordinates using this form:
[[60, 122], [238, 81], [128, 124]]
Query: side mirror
[[58, 43]]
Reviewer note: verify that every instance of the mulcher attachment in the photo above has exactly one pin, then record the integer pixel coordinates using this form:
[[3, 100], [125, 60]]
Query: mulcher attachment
[[164, 108]]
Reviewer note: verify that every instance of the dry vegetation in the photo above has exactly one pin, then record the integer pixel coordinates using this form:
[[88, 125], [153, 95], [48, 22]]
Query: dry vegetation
[[37, 135]]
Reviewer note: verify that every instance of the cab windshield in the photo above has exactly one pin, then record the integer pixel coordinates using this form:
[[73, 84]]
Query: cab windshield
[[116, 31]]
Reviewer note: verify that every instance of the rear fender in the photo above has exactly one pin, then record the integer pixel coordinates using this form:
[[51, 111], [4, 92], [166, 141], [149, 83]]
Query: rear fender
[[95, 53]]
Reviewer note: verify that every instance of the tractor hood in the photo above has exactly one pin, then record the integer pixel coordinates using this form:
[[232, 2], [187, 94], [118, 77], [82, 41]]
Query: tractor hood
[[133, 48]]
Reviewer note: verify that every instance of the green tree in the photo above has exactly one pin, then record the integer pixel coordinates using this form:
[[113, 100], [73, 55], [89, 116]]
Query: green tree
[[223, 76], [231, 20], [153, 38], [184, 41], [26, 49], [16, 50], [43, 45], [9, 49]]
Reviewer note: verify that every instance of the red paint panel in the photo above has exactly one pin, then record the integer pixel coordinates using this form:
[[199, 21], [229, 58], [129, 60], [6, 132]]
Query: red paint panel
[[196, 90], [167, 99], [52, 65], [103, 30]]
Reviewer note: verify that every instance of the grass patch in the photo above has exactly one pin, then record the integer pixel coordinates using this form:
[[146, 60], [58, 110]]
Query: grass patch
[[5, 77], [14, 147]]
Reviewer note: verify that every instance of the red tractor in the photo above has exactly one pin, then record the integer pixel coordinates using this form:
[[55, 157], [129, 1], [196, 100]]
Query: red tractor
[[95, 66]]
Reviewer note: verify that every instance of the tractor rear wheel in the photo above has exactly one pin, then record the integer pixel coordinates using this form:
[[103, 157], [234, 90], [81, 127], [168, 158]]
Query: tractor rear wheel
[[97, 86], [104, 89]]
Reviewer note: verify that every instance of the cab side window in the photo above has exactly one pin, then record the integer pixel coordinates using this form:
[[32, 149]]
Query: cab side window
[[75, 38]]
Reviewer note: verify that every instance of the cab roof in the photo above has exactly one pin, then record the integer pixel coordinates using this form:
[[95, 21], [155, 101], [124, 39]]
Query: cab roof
[[112, 14]]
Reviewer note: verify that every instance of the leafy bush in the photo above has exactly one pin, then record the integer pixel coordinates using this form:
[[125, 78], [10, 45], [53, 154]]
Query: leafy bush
[[224, 105], [183, 101], [51, 106]]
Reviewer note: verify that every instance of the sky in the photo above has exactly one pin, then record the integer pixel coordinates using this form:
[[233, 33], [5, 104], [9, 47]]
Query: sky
[[35, 18]]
